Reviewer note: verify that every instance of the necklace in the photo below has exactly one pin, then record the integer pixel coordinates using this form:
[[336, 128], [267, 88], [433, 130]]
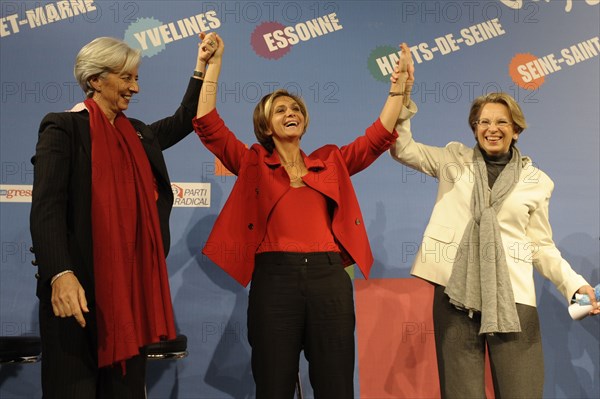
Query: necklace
[[295, 171]]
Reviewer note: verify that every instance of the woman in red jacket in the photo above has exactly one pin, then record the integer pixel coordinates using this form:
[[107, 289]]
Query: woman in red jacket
[[290, 224]]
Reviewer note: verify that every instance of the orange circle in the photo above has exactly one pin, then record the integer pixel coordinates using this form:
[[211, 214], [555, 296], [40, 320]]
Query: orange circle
[[522, 71]]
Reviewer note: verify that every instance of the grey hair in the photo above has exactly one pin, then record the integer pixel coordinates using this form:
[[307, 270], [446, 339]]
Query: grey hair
[[515, 111], [101, 56]]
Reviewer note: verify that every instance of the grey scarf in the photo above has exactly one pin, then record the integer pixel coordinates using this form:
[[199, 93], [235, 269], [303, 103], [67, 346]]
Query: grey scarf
[[480, 281]]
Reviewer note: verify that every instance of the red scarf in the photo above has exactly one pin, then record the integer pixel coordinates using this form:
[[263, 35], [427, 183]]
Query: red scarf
[[133, 299]]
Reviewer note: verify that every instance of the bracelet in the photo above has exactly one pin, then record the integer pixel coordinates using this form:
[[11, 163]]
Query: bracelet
[[60, 275], [199, 74], [396, 93]]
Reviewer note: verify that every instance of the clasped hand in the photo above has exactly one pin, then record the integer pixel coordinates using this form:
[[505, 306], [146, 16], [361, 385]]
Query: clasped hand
[[403, 75], [210, 47]]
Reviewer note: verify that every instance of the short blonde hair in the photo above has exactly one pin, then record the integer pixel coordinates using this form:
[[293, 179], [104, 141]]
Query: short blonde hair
[[514, 109], [101, 56], [263, 112]]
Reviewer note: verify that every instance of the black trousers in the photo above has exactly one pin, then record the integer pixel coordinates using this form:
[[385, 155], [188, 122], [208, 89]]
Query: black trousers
[[70, 362], [516, 359], [301, 301]]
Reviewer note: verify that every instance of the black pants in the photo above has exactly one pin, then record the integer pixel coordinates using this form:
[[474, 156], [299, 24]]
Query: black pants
[[70, 362], [516, 359], [301, 301]]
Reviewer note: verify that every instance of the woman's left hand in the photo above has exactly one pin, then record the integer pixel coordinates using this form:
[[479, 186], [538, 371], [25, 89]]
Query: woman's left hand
[[404, 69], [207, 46], [589, 291]]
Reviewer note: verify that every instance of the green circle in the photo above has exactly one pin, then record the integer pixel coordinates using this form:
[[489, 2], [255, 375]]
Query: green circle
[[373, 66]]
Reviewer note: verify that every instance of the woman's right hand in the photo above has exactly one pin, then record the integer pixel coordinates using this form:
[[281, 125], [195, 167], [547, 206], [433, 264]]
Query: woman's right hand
[[207, 46], [218, 54], [403, 76], [214, 44], [68, 298], [410, 80], [208, 94]]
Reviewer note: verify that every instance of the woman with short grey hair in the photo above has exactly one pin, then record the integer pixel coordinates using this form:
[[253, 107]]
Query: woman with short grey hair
[[101, 56], [100, 228]]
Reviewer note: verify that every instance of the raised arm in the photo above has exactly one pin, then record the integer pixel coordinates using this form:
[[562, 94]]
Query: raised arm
[[208, 125], [176, 127], [208, 94], [401, 84]]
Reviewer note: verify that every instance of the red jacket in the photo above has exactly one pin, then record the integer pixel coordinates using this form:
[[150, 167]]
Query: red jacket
[[262, 181]]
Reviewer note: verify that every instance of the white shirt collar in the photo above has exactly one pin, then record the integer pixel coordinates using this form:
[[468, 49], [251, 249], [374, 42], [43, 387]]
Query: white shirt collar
[[78, 107]]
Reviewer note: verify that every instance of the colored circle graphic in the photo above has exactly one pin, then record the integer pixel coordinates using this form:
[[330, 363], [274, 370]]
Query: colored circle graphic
[[259, 41], [379, 63], [521, 72], [143, 34]]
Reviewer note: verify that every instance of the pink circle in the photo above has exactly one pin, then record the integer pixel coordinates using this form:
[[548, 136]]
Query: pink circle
[[259, 43]]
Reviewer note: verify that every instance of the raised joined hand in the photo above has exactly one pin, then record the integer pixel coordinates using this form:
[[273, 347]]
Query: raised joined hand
[[404, 72]]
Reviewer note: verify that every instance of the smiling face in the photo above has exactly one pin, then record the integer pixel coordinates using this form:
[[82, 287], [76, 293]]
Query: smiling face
[[287, 121], [495, 130], [113, 91]]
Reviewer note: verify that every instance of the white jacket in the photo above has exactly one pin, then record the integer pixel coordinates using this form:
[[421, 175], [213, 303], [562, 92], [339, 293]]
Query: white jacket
[[523, 218]]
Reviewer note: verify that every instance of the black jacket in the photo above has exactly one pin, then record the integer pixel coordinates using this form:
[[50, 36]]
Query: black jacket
[[60, 219]]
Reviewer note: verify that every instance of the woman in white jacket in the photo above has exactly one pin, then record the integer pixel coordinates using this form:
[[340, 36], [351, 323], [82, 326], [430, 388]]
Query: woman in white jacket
[[488, 229]]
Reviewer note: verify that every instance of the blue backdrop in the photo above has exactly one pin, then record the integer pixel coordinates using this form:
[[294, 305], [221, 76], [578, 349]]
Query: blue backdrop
[[336, 54]]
